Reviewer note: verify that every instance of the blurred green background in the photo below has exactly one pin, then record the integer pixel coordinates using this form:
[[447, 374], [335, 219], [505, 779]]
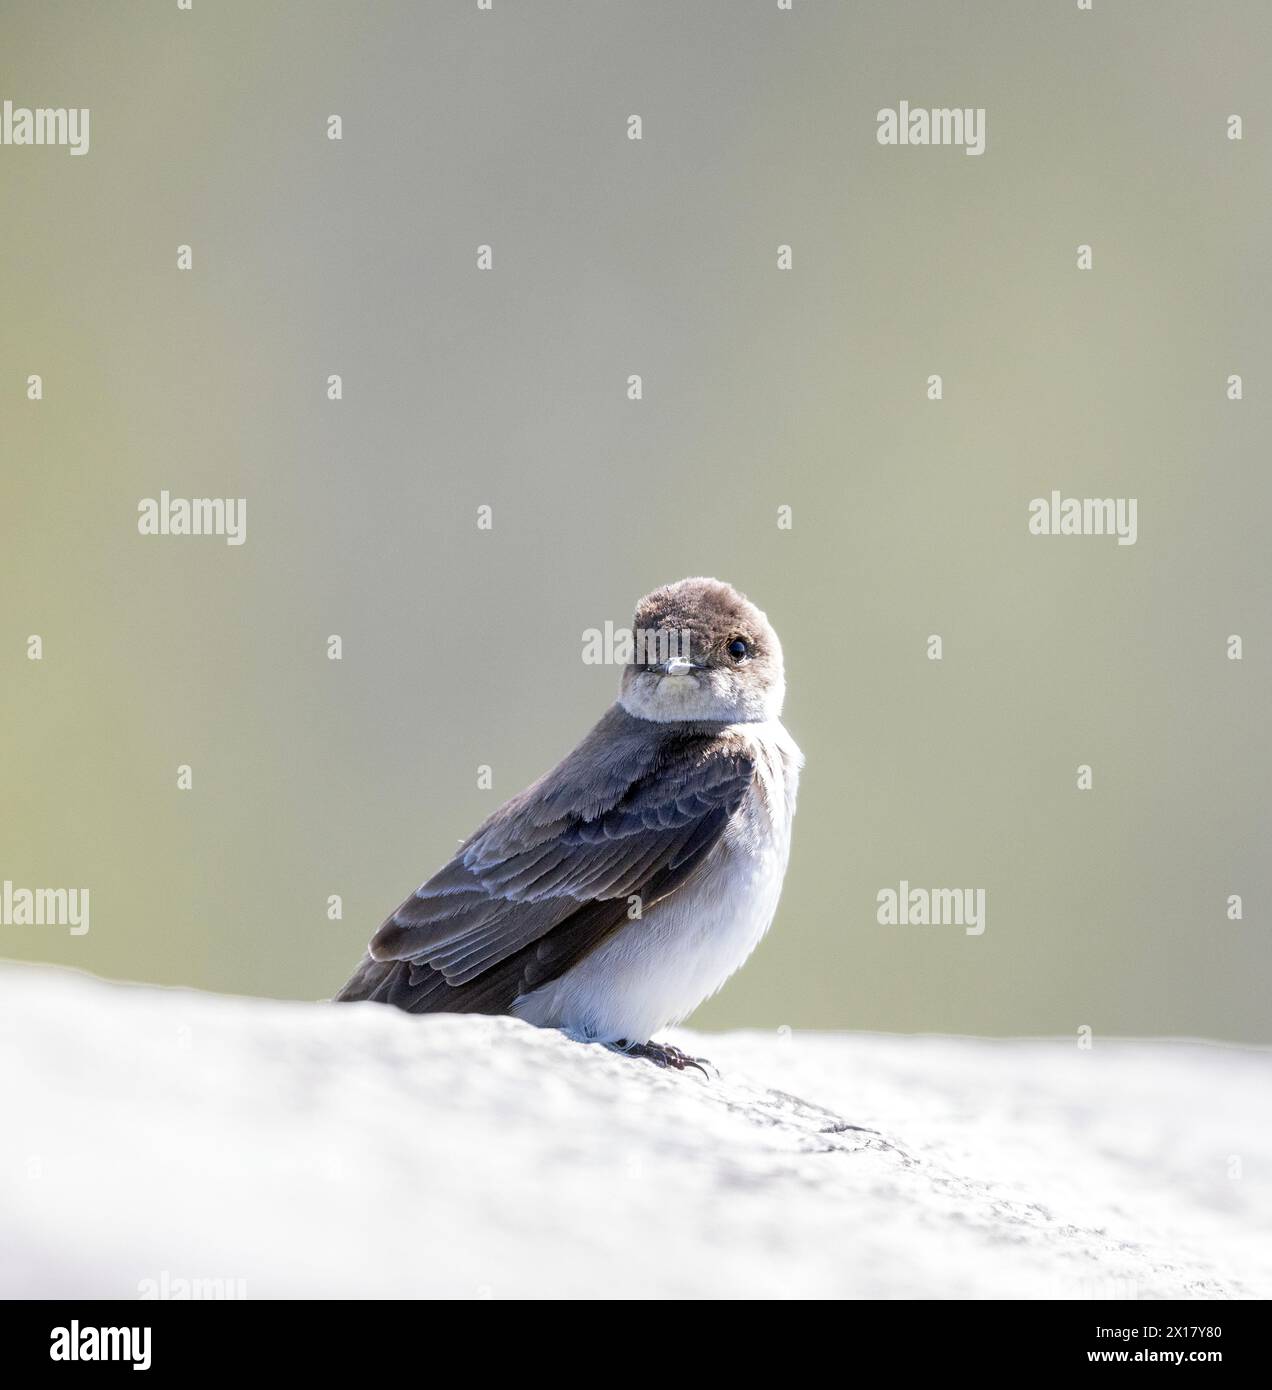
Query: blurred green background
[[762, 388]]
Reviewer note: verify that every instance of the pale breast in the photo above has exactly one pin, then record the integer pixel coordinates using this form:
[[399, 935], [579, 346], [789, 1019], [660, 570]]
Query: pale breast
[[655, 971]]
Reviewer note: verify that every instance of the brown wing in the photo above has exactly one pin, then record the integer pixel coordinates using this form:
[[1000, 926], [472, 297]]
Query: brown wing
[[633, 811]]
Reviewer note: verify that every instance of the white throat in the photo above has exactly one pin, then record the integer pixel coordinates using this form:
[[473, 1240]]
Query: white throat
[[709, 696]]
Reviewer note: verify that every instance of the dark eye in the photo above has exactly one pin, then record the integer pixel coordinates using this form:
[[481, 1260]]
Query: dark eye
[[739, 649]]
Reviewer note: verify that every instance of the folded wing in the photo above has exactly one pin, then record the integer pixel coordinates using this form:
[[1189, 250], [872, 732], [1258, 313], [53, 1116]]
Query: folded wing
[[631, 813]]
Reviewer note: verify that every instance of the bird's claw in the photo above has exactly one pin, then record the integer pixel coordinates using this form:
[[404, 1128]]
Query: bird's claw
[[663, 1055]]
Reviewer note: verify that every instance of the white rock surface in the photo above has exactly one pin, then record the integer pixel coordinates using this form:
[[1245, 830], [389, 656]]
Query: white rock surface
[[310, 1149]]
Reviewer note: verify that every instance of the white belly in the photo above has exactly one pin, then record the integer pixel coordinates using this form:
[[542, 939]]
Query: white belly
[[655, 971]]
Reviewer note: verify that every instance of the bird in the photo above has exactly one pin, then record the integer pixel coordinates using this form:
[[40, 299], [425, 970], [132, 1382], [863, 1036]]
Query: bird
[[612, 896]]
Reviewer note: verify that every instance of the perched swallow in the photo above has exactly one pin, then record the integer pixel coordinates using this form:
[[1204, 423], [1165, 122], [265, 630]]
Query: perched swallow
[[619, 891]]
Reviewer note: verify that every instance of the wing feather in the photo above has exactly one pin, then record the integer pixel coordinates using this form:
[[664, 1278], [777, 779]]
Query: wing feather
[[549, 875]]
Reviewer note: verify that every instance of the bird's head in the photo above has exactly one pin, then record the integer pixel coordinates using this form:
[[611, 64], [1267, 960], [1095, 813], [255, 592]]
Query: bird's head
[[702, 651]]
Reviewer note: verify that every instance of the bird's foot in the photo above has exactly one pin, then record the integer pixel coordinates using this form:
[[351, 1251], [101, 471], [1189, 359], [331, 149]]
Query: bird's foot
[[663, 1055]]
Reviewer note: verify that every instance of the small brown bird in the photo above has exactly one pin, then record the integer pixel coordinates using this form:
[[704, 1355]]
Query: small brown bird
[[624, 887]]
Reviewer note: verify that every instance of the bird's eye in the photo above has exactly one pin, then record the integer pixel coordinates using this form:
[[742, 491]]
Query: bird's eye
[[739, 650]]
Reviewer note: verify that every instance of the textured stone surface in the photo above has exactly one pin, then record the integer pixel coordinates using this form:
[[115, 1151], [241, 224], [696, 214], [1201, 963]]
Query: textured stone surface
[[309, 1149]]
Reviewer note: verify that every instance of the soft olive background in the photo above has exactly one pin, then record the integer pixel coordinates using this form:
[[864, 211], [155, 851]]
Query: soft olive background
[[762, 388]]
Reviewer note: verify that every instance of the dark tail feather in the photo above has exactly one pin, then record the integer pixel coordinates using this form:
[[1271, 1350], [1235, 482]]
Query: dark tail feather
[[365, 981], [413, 986]]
